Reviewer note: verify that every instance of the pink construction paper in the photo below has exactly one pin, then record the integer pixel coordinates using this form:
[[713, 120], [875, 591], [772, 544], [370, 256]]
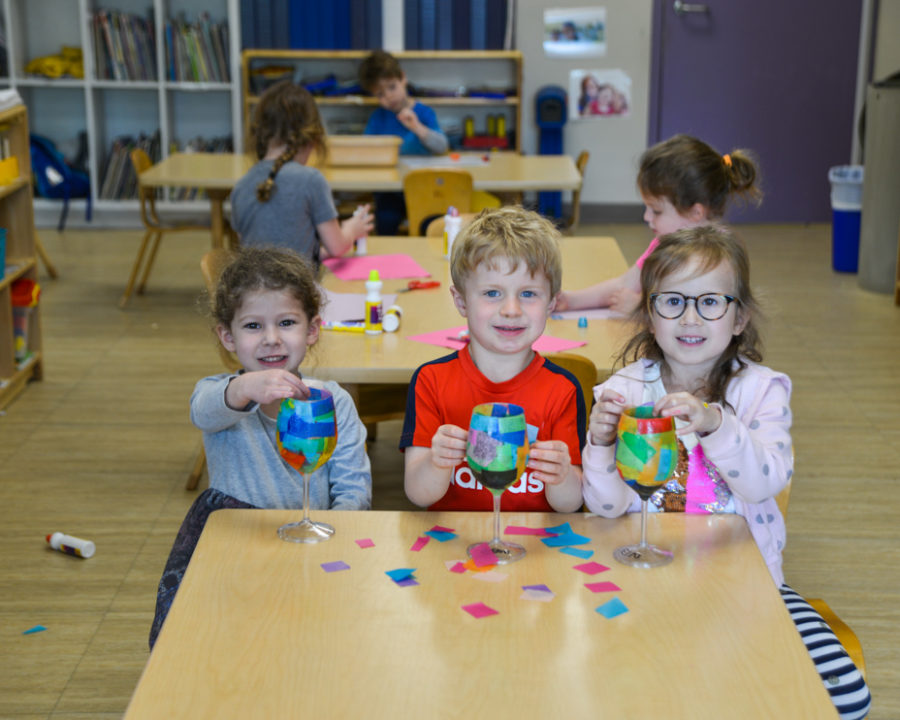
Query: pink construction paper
[[479, 610], [389, 267], [449, 338], [365, 543], [602, 587], [420, 543], [457, 567], [441, 528], [522, 530], [482, 555], [591, 568]]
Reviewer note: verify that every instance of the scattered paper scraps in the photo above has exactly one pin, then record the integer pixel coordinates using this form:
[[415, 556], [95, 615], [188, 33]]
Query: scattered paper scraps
[[408, 582], [33, 630], [399, 574], [440, 535], [598, 587], [577, 552], [442, 529], [455, 566], [335, 566], [389, 267], [471, 566], [560, 529], [482, 555], [612, 608], [479, 610], [521, 530], [365, 542], [491, 576], [591, 568], [419, 544], [541, 593], [565, 539]]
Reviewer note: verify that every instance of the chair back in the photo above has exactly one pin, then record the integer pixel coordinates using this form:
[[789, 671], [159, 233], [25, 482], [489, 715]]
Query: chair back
[[429, 192], [580, 163], [141, 161], [211, 265], [584, 371]]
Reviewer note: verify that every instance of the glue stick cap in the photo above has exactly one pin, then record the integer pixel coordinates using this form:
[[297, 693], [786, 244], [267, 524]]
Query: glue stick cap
[[374, 276]]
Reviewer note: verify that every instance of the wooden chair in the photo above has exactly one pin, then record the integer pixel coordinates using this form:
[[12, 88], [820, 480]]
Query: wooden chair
[[155, 228], [580, 163], [428, 193], [211, 265], [843, 631], [584, 371]]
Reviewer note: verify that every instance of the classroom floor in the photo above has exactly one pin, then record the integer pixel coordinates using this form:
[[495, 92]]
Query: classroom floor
[[102, 446]]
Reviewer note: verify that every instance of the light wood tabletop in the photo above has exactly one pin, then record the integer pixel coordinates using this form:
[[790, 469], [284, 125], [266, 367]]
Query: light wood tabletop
[[393, 357], [218, 172], [259, 629]]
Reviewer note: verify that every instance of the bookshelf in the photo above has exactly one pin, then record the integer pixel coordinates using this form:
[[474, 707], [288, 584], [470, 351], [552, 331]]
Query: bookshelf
[[17, 218], [455, 74], [105, 104]]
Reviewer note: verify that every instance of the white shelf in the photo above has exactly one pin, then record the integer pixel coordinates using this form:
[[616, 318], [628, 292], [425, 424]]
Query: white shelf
[[105, 109]]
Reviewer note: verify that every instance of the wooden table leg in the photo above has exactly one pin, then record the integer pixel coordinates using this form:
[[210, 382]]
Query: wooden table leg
[[45, 258], [217, 217]]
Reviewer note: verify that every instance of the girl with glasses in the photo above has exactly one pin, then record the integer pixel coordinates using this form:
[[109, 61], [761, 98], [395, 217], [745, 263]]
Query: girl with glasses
[[696, 357], [683, 183]]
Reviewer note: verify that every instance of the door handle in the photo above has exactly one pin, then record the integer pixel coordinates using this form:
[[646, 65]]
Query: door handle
[[682, 8]]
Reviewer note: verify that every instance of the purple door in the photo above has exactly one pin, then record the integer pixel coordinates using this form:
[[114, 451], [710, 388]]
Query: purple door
[[774, 76]]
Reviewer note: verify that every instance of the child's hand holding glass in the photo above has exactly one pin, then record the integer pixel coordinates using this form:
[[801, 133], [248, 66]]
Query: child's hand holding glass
[[264, 387], [549, 461], [605, 416], [448, 446], [701, 417]]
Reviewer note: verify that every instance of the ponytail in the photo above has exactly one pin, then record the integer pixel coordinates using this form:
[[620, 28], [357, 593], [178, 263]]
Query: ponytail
[[741, 172]]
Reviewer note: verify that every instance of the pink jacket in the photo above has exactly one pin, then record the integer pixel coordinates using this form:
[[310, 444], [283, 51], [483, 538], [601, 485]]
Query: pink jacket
[[751, 451]]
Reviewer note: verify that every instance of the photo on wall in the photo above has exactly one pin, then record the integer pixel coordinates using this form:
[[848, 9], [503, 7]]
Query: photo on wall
[[597, 94], [576, 32]]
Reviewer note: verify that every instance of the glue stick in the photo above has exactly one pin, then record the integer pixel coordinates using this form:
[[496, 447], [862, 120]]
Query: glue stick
[[71, 545], [374, 309]]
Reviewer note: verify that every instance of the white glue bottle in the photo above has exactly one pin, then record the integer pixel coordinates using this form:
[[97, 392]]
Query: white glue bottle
[[374, 310], [360, 242], [452, 223], [71, 545]]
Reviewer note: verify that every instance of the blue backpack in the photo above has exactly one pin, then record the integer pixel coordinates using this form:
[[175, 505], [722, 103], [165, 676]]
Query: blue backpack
[[54, 178]]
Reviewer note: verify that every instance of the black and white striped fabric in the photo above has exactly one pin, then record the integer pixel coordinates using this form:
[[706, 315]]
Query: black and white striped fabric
[[842, 679]]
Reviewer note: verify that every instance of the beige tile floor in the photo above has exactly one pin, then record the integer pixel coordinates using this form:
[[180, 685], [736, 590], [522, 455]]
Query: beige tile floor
[[102, 446]]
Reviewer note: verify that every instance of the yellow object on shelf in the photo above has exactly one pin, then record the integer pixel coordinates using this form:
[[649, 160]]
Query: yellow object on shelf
[[9, 170], [68, 61]]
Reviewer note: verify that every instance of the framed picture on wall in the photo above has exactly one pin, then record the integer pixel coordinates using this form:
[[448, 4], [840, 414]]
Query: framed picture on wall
[[597, 94], [576, 32]]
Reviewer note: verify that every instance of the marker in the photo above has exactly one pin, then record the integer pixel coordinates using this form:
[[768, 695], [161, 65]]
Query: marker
[[344, 327]]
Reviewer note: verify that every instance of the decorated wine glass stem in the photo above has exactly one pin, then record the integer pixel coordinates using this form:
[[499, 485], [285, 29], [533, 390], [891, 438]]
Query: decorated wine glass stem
[[496, 539], [643, 523], [306, 519]]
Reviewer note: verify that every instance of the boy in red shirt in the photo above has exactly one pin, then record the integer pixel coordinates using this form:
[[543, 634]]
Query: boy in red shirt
[[507, 272]]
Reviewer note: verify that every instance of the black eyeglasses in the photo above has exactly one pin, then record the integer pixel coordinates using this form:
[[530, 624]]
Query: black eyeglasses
[[709, 306]]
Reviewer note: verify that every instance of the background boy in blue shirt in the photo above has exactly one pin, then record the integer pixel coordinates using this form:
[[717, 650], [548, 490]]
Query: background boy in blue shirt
[[415, 123]]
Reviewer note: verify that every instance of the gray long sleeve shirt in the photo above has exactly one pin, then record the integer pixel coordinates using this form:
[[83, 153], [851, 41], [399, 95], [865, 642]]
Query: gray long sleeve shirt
[[243, 458]]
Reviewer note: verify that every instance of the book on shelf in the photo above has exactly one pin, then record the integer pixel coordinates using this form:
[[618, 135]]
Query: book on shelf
[[124, 46], [197, 51], [119, 179]]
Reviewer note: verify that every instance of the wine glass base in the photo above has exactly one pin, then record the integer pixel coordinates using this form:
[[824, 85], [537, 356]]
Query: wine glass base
[[504, 552], [306, 531], [642, 556]]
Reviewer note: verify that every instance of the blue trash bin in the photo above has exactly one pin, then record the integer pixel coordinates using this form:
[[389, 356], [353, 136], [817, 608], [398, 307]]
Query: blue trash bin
[[846, 211]]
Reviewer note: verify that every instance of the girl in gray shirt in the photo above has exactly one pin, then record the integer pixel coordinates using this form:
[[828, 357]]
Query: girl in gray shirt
[[266, 311]]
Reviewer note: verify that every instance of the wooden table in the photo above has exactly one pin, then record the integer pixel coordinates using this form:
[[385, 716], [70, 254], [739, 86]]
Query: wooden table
[[258, 629], [218, 172], [392, 357]]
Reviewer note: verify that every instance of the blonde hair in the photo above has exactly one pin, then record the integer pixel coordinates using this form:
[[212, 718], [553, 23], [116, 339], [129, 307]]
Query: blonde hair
[[686, 171], [510, 232], [709, 246], [286, 114]]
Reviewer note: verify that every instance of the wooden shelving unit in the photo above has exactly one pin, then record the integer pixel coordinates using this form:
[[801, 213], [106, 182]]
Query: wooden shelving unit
[[17, 217], [446, 71]]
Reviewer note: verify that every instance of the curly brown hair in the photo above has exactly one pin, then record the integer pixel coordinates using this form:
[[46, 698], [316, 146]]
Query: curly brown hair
[[709, 245], [286, 114], [255, 268], [687, 171]]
